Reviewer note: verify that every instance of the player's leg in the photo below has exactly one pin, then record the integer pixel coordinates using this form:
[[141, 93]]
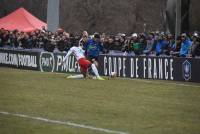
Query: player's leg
[[83, 67], [78, 76], [85, 64], [94, 60], [83, 71], [93, 68]]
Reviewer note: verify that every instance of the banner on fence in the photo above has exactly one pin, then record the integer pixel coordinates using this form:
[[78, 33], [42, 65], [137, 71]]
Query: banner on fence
[[161, 68], [19, 59], [51, 62]]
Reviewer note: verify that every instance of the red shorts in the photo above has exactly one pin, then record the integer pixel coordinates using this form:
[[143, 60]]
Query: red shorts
[[84, 63]]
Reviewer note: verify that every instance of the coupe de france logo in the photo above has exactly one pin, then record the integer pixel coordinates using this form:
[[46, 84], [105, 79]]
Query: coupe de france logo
[[186, 67]]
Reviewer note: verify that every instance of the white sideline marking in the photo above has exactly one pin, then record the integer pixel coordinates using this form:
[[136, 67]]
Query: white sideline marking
[[64, 123], [162, 82], [178, 84]]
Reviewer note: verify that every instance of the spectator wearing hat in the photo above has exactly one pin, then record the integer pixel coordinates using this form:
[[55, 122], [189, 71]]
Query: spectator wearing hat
[[195, 48], [92, 48], [118, 42], [185, 45], [135, 44]]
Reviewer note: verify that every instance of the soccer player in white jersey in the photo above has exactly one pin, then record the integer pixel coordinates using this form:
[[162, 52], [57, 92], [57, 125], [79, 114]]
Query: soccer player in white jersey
[[84, 64]]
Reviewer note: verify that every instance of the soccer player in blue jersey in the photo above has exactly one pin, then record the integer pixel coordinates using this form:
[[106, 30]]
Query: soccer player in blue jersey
[[92, 48]]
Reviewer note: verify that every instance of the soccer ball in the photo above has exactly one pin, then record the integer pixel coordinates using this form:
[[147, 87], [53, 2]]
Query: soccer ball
[[113, 74]]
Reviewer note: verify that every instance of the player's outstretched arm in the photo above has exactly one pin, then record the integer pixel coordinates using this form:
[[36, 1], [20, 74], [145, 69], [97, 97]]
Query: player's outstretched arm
[[66, 56]]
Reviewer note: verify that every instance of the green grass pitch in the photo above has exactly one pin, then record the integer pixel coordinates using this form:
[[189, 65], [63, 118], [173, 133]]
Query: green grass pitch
[[132, 106]]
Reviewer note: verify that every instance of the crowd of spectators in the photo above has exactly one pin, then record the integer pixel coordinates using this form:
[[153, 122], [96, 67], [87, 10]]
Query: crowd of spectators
[[152, 43], [41, 39]]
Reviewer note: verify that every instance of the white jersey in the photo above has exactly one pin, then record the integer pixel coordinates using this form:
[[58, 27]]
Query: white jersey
[[78, 52]]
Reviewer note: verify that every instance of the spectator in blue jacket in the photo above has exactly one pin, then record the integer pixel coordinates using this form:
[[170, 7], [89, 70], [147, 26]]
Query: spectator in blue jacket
[[92, 48], [160, 45], [185, 45]]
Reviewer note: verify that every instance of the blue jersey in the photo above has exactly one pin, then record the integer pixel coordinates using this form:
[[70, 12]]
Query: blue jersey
[[185, 47], [161, 44], [93, 48]]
